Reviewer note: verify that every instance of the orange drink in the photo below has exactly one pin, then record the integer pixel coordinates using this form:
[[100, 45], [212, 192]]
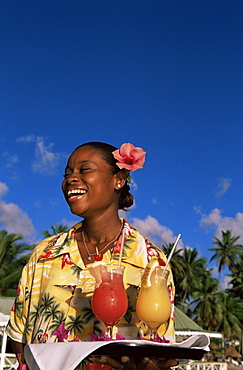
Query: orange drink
[[153, 304]]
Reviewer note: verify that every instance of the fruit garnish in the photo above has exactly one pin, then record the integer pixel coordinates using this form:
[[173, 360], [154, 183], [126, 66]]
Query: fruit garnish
[[151, 270], [161, 262], [145, 281], [96, 269]]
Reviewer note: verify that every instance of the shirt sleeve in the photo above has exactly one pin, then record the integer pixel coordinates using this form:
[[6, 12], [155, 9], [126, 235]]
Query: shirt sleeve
[[17, 328], [17, 322]]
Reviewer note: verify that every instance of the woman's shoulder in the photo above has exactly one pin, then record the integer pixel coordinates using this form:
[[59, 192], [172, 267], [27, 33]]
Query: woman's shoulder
[[43, 244], [53, 240]]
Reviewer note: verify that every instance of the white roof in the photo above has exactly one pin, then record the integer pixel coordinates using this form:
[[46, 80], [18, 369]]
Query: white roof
[[3, 319]]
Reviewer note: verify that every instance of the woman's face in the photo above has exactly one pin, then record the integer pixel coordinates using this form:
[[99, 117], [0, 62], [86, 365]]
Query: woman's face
[[88, 185]]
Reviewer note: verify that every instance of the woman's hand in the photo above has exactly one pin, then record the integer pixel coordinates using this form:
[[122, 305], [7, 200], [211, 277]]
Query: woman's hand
[[127, 363]]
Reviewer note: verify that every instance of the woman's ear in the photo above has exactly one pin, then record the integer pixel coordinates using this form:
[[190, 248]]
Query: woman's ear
[[120, 179]]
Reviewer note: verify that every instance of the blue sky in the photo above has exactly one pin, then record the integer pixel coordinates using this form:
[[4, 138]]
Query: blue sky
[[164, 75]]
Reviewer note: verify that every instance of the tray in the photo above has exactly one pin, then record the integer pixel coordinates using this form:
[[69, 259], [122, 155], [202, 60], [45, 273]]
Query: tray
[[150, 350]]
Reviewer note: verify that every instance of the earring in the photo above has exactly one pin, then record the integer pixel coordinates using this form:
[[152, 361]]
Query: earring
[[118, 185]]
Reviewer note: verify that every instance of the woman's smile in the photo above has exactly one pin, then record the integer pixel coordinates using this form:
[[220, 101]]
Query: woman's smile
[[75, 194]]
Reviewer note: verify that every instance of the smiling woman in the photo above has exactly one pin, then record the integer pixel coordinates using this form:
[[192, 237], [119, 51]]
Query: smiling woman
[[54, 295]]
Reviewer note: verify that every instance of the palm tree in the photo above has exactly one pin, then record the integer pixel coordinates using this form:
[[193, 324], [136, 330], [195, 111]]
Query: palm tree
[[45, 305], [75, 324], [14, 254], [230, 322], [176, 262], [237, 280], [57, 322], [56, 229], [194, 271], [205, 305], [52, 313], [227, 252], [87, 314]]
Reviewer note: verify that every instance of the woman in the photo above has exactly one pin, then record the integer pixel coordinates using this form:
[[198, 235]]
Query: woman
[[53, 298]]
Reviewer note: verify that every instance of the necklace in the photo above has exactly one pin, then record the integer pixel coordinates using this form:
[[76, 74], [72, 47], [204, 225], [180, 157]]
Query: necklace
[[98, 255]]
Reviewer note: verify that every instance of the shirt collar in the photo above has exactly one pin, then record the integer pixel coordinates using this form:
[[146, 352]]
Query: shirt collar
[[59, 244], [65, 243]]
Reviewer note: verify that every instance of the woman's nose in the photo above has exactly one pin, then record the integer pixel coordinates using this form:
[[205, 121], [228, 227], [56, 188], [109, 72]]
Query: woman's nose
[[73, 178]]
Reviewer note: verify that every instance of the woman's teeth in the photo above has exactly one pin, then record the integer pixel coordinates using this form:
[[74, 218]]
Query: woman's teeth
[[75, 192]]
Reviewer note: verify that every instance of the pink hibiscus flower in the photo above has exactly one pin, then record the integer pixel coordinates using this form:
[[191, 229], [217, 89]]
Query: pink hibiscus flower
[[61, 333], [104, 337], [129, 157]]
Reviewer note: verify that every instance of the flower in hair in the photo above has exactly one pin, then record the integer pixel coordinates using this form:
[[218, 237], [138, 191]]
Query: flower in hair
[[129, 157]]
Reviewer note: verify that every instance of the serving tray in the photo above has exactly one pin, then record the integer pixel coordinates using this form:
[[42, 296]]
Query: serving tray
[[149, 349]]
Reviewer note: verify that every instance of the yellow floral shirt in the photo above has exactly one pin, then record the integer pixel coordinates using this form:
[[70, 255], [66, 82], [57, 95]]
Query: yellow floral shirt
[[53, 302]]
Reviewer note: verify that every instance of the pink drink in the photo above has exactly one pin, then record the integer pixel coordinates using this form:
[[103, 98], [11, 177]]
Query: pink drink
[[109, 302]]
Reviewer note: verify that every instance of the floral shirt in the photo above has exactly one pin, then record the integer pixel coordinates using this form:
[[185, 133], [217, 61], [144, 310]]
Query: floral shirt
[[53, 302]]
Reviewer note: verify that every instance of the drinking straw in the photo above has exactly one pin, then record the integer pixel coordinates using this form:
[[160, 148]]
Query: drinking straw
[[121, 250], [172, 250]]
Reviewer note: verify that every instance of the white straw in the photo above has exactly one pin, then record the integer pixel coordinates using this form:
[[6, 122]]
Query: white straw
[[172, 250], [122, 244]]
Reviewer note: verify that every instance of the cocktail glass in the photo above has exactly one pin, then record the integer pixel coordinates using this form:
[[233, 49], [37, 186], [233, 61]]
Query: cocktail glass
[[109, 302], [153, 303]]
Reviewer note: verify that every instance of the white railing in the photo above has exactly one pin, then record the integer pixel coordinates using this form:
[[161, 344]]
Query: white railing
[[8, 361], [204, 366]]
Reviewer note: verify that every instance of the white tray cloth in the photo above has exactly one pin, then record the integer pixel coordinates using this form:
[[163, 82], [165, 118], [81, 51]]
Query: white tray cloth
[[67, 355]]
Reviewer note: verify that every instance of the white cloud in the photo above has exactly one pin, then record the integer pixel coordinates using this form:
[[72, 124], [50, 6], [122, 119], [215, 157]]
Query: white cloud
[[11, 159], [225, 283], [134, 186], [26, 139], [223, 186], [46, 160], [13, 219], [154, 231], [3, 188], [69, 223], [216, 220]]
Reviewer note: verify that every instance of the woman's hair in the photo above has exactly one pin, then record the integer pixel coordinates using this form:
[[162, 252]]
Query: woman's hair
[[125, 197]]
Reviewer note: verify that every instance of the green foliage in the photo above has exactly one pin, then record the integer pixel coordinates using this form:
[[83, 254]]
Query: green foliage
[[198, 293], [13, 256], [187, 267], [227, 251], [230, 322], [236, 282], [56, 229]]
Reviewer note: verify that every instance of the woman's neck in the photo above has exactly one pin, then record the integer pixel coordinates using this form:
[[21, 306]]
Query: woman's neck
[[101, 231]]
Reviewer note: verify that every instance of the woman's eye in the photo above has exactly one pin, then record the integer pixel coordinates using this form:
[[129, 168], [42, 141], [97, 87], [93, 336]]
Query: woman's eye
[[84, 169], [66, 175]]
